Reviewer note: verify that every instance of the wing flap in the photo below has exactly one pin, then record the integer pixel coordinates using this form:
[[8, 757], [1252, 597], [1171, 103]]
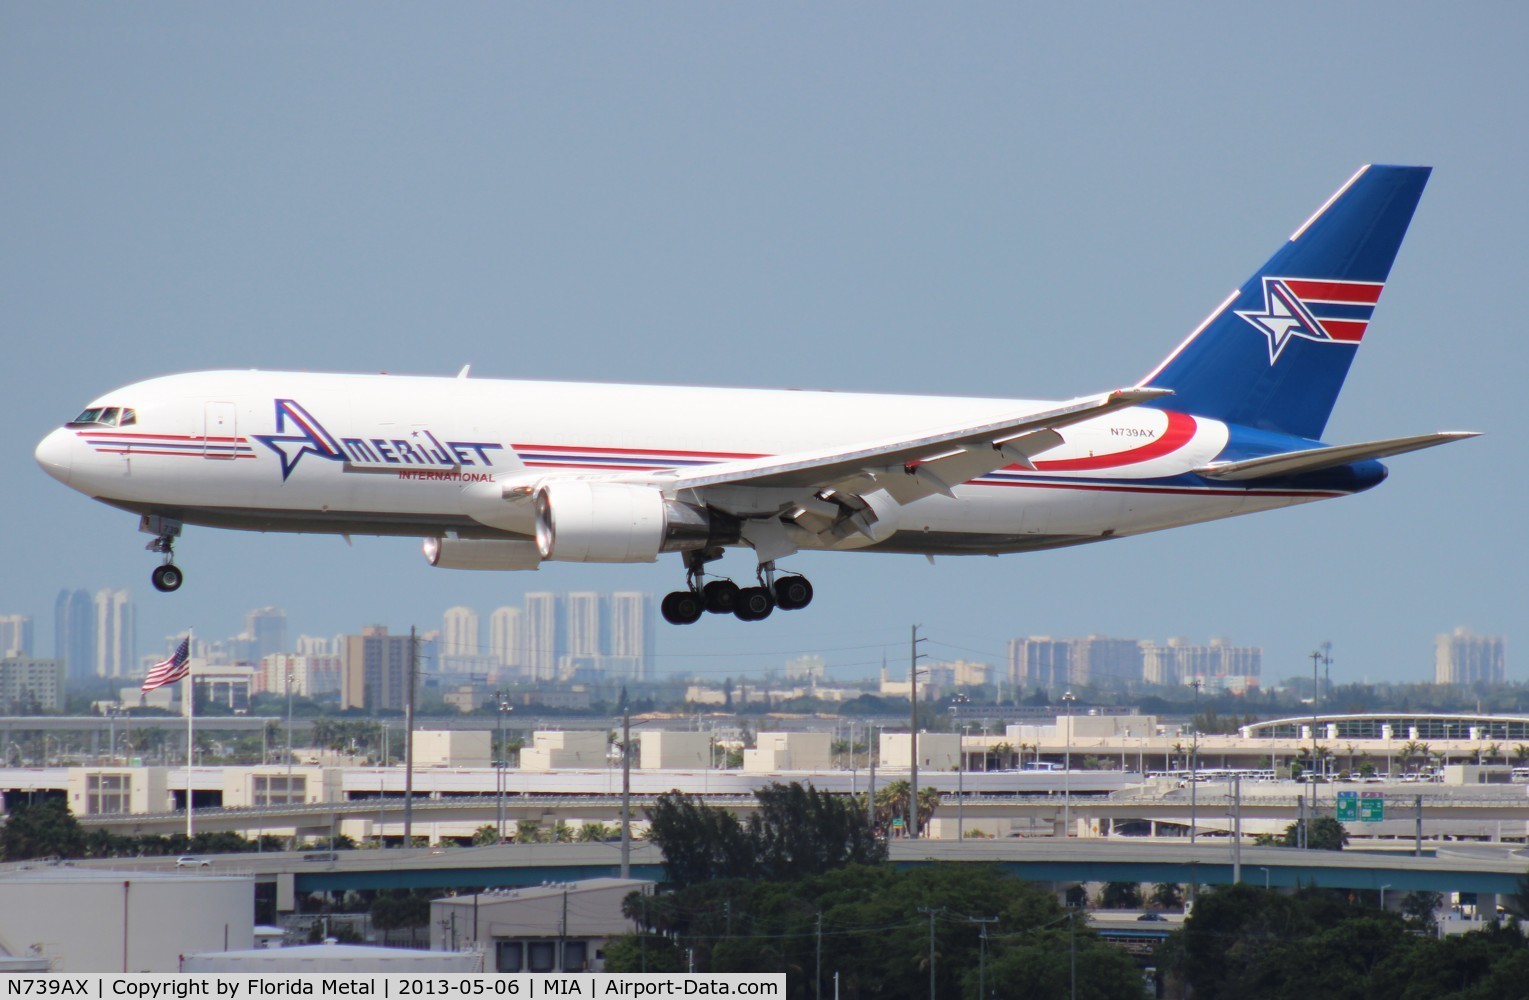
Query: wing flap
[[1316, 459], [947, 457]]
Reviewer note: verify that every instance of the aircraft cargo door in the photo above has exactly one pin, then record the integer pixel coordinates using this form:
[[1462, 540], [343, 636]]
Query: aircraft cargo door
[[220, 432]]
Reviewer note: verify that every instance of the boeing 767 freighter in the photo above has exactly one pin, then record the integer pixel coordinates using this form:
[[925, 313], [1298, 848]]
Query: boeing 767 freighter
[[503, 475]]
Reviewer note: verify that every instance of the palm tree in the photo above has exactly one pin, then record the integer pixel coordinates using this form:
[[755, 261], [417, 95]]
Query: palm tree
[[928, 802], [892, 802], [1521, 751]]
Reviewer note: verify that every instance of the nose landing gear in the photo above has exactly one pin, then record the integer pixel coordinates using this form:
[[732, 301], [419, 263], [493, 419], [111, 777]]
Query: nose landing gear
[[167, 577]]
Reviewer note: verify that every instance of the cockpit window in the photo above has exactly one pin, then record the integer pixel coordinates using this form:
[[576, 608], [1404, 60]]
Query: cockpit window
[[106, 416]]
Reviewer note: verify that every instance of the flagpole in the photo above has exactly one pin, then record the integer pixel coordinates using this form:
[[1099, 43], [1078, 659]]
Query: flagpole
[[190, 738]]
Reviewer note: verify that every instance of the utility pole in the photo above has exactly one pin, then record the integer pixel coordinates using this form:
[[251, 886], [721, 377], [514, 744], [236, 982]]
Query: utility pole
[[1072, 950], [1236, 829], [408, 746], [817, 981], [982, 954], [933, 912], [913, 657], [1067, 696], [870, 794]]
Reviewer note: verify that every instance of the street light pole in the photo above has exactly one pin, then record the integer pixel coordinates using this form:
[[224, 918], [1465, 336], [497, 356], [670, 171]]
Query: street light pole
[[1068, 699], [289, 737], [1194, 767], [499, 766], [961, 787], [913, 657]]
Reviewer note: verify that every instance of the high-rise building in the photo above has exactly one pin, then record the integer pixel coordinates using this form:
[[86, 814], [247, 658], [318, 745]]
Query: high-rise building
[[16, 635], [1100, 660], [116, 630], [318, 645], [74, 633], [29, 686], [460, 647], [585, 643], [1217, 665], [631, 632], [375, 671], [507, 637], [1040, 661], [315, 676], [265, 632], [1462, 657], [545, 635]]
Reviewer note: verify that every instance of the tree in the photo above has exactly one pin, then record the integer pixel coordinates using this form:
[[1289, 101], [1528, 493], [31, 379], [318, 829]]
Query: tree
[[41, 829], [700, 842], [1167, 895], [1120, 896], [1421, 907], [795, 832], [394, 910], [799, 831], [1323, 834], [486, 834]]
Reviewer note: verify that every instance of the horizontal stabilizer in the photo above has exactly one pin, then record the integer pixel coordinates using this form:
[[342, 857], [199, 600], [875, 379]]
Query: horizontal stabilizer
[[1292, 463]]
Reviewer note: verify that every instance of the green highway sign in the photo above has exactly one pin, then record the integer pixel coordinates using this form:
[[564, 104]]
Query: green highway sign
[[1348, 807], [1352, 808]]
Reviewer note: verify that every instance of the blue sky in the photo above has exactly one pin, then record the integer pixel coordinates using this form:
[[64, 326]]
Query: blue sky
[[984, 199]]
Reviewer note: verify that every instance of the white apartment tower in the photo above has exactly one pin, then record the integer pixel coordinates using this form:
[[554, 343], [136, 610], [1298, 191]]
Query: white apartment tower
[[459, 632], [16, 635], [116, 634], [507, 637], [544, 630], [631, 634], [1462, 657]]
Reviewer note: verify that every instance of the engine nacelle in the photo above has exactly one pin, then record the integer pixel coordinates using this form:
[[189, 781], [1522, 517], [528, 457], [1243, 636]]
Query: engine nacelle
[[582, 521], [482, 553]]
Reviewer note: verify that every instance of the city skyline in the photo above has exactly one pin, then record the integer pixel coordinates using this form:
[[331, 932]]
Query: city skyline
[[481, 646], [1007, 202]]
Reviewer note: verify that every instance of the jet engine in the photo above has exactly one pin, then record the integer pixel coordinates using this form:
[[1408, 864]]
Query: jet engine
[[482, 553], [582, 521]]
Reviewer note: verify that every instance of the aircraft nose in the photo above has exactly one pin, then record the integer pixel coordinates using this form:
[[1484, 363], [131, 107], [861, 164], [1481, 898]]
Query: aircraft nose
[[55, 453]]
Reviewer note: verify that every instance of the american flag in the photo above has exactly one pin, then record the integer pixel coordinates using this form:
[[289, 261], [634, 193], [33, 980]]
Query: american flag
[[176, 668]]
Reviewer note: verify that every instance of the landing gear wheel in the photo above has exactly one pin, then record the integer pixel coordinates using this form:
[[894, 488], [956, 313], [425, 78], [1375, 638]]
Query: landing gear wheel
[[167, 578], [720, 597], [754, 604], [683, 607], [792, 593]]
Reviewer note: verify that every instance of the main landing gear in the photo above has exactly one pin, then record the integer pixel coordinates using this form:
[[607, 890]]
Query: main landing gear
[[721, 597], [167, 577]]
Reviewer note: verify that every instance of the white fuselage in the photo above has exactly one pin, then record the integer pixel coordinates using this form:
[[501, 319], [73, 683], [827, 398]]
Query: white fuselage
[[387, 454]]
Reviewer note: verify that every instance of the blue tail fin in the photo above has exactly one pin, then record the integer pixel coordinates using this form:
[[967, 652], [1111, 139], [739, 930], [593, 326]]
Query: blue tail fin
[[1275, 353]]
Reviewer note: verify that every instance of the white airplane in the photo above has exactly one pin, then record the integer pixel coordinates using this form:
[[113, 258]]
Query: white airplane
[[503, 475]]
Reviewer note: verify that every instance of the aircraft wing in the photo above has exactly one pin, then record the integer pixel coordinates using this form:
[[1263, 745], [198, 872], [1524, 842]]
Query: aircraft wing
[[910, 468], [1292, 463]]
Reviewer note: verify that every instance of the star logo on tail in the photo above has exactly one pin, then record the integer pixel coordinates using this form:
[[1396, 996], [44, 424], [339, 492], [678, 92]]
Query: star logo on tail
[[1284, 317]]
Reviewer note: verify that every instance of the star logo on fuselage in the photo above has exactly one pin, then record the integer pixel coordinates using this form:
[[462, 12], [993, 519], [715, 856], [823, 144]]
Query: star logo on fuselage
[[314, 440], [1284, 317]]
